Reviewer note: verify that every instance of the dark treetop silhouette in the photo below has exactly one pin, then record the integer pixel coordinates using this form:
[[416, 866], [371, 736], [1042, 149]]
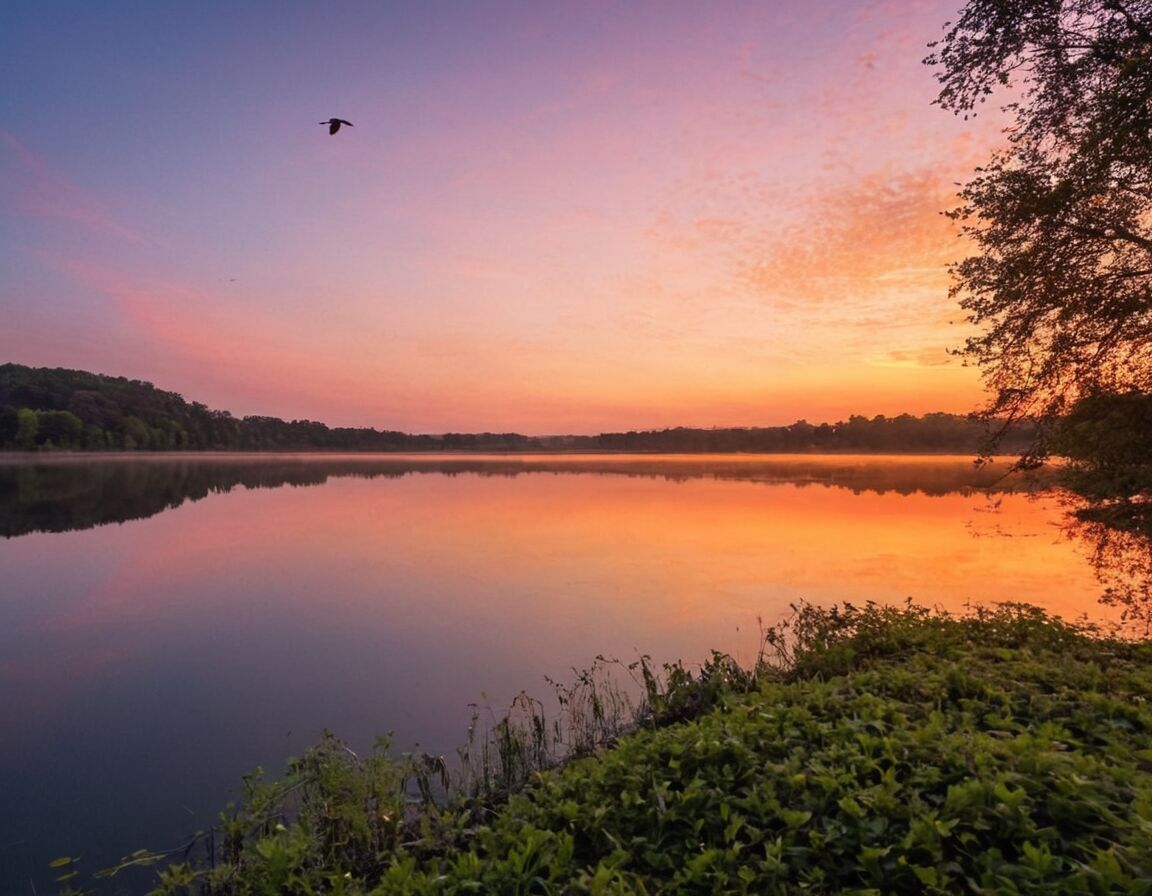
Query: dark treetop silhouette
[[334, 124]]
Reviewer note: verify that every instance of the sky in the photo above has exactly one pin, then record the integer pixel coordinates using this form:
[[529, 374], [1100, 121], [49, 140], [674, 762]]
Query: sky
[[548, 217]]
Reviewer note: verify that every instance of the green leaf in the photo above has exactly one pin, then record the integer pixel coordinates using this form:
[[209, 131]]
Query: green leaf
[[795, 818], [926, 876]]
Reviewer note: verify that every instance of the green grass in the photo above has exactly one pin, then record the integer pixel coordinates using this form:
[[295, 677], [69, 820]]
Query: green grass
[[872, 750]]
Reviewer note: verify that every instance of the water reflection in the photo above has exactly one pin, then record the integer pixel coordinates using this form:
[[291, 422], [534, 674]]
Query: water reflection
[[145, 666], [60, 493], [1118, 541]]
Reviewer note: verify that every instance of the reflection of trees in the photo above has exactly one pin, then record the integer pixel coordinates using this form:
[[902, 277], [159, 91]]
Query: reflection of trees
[[62, 494], [1119, 538], [57, 497]]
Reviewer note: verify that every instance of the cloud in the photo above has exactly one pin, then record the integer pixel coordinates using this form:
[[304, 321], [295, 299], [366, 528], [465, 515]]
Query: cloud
[[881, 233], [215, 345], [232, 355], [31, 186], [936, 356]]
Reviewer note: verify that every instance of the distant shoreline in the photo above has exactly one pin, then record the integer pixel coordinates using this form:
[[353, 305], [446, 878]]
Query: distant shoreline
[[479, 452]]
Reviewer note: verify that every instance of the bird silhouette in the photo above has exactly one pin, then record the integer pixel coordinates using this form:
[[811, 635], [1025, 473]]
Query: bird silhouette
[[334, 124]]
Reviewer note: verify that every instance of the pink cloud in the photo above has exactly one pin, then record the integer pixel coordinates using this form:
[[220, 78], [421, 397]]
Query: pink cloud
[[33, 187]]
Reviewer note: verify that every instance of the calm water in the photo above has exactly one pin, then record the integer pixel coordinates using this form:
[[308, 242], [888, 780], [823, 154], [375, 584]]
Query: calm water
[[166, 624]]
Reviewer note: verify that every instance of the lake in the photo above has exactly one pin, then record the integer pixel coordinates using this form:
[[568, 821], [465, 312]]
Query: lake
[[169, 622]]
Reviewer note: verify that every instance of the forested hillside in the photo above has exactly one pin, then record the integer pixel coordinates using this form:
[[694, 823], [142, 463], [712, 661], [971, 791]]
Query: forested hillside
[[44, 409]]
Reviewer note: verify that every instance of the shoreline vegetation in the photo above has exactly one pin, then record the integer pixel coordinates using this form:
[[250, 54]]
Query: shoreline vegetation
[[865, 750], [52, 409]]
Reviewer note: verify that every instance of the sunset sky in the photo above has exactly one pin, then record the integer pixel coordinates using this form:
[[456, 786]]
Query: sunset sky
[[548, 217]]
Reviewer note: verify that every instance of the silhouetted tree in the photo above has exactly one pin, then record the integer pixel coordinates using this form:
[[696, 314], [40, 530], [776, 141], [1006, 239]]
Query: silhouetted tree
[[1061, 218], [1108, 439]]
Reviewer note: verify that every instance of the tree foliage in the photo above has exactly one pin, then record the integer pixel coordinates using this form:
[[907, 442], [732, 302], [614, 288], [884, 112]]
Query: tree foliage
[[1060, 283], [1107, 439]]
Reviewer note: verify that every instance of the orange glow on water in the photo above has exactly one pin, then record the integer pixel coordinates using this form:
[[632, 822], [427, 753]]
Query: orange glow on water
[[673, 556], [241, 624]]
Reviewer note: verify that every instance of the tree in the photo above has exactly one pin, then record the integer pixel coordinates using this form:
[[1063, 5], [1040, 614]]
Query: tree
[[1107, 440], [27, 423], [137, 436], [1060, 284], [9, 425], [59, 429], [96, 408]]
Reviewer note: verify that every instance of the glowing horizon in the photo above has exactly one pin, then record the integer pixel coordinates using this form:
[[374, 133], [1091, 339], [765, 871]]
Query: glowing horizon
[[547, 220]]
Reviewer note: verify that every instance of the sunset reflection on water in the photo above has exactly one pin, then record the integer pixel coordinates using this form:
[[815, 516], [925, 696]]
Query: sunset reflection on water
[[174, 652]]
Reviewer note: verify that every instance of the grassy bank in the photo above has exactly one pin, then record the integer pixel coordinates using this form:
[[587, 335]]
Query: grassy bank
[[872, 751]]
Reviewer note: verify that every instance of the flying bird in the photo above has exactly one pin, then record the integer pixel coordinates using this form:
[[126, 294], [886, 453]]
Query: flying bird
[[334, 124]]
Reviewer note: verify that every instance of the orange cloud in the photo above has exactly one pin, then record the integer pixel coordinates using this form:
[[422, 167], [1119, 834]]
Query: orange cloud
[[883, 233], [924, 357]]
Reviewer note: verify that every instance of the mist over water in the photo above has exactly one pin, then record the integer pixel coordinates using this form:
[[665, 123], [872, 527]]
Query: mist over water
[[168, 623]]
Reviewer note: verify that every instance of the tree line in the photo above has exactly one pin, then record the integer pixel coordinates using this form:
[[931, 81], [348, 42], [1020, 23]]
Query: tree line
[[54, 408], [44, 409], [931, 433]]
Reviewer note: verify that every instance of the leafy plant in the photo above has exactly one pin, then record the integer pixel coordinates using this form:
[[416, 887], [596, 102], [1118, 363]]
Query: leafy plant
[[869, 750]]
